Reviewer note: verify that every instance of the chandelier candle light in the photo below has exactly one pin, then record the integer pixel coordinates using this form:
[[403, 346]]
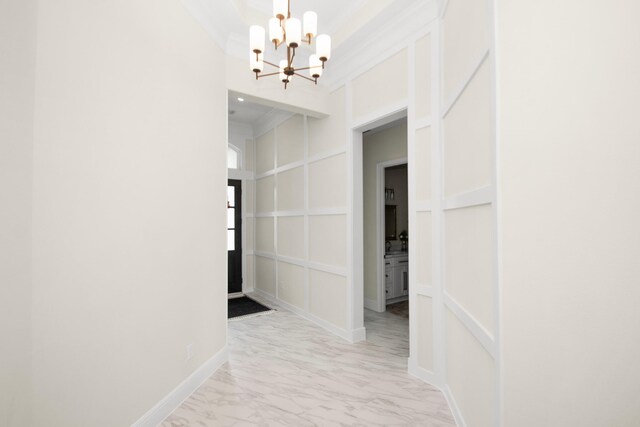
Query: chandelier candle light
[[287, 30]]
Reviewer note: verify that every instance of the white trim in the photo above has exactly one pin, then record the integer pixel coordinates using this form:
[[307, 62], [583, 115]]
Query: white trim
[[484, 337], [437, 216], [351, 336], [423, 122], [327, 211], [380, 230], [267, 255], [453, 405], [499, 413], [309, 212], [379, 39], [381, 116], [240, 174], [372, 304], [325, 268], [424, 290], [174, 399], [291, 260], [481, 196], [465, 83], [415, 370], [338, 271], [281, 169], [326, 154], [423, 206]]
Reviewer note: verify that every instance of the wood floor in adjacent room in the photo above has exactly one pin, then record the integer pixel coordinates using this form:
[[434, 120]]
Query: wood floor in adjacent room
[[286, 371]]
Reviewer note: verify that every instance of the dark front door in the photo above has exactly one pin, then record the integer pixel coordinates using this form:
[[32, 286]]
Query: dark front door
[[234, 235]]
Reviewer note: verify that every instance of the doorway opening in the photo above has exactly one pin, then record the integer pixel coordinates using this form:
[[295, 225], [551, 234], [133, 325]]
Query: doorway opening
[[385, 230], [234, 236]]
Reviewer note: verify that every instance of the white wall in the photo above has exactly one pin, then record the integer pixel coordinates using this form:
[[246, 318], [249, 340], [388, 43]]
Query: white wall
[[17, 58], [301, 229], [129, 208], [568, 85], [388, 144], [469, 253]]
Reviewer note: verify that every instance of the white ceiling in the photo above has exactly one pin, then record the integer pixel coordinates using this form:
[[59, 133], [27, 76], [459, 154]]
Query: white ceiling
[[246, 112], [230, 19]]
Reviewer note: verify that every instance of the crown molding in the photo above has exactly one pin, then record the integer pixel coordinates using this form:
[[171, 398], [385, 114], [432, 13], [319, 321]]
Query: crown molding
[[380, 38]]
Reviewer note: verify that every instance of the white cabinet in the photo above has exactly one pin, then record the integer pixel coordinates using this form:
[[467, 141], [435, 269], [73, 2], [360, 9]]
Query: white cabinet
[[396, 271]]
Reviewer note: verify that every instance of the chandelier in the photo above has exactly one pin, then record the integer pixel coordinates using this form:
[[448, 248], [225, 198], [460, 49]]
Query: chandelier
[[286, 30]]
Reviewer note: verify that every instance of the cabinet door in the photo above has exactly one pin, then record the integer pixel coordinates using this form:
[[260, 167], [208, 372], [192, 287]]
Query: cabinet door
[[401, 281], [389, 282]]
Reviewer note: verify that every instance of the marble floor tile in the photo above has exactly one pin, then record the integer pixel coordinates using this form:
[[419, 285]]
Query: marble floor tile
[[286, 371]]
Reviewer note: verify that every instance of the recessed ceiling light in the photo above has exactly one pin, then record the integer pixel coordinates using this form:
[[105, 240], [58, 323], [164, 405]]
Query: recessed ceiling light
[[241, 99]]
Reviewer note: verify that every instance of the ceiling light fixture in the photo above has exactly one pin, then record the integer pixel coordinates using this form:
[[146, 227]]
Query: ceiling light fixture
[[285, 29], [241, 99]]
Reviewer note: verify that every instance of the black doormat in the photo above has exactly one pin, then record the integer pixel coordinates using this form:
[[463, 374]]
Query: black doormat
[[245, 306]]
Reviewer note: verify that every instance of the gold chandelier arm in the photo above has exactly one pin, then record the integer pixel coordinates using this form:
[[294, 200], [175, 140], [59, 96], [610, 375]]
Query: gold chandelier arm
[[267, 75], [304, 77], [271, 63]]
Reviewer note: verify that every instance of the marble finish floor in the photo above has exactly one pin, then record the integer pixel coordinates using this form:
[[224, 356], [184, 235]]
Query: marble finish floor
[[286, 371]]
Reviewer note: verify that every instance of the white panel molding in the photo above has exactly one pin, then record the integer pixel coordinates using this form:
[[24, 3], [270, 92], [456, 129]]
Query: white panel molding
[[437, 216], [482, 196], [291, 260], [327, 154], [415, 370], [422, 123], [465, 83], [265, 174], [455, 409], [351, 336], [484, 337], [423, 206], [289, 213], [308, 212], [305, 231], [424, 290], [325, 268], [289, 166], [327, 211], [281, 169], [497, 297], [380, 39], [267, 255], [174, 399], [338, 271], [355, 215], [275, 207]]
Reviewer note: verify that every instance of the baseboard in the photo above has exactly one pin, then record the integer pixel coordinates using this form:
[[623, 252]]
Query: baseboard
[[431, 378], [351, 336], [175, 398], [455, 409], [421, 373]]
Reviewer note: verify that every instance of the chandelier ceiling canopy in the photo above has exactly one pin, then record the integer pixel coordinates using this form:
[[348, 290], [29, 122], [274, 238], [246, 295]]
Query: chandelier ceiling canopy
[[286, 30]]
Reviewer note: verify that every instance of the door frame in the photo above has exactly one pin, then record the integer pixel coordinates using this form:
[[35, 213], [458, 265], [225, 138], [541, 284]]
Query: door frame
[[238, 222], [381, 304], [355, 212]]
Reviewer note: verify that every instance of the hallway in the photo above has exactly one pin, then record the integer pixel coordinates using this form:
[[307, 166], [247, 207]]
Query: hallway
[[286, 371]]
